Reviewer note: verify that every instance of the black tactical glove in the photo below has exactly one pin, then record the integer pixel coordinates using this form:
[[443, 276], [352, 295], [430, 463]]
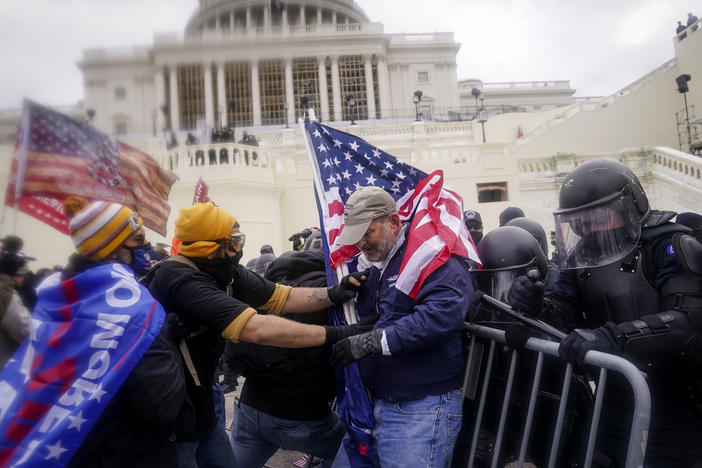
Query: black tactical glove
[[605, 338], [527, 293], [355, 347], [345, 290], [335, 334], [517, 335]]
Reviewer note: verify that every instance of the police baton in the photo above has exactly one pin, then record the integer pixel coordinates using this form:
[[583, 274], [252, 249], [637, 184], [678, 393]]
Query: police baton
[[534, 323]]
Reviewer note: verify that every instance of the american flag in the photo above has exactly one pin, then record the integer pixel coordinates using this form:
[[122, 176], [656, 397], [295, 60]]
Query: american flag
[[57, 156], [343, 163]]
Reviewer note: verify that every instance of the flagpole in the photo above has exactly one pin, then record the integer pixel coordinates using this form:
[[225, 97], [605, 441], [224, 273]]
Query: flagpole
[[21, 157], [341, 270]]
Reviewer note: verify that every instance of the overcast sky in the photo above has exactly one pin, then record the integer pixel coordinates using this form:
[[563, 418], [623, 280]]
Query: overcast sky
[[599, 45]]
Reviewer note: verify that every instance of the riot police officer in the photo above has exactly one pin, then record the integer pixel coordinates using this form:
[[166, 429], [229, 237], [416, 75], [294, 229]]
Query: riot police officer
[[630, 283]]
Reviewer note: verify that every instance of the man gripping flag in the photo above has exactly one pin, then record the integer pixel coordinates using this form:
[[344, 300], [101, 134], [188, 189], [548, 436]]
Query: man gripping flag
[[405, 225]]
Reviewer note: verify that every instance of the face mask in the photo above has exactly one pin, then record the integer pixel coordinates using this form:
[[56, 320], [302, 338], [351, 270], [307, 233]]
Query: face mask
[[141, 259], [218, 268], [476, 236], [237, 258]]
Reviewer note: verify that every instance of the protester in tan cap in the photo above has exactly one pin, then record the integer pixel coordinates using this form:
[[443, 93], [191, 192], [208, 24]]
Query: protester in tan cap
[[214, 298], [411, 361]]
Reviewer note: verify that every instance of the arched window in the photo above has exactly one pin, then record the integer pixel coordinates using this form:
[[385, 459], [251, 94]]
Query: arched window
[[223, 156], [199, 158], [212, 156]]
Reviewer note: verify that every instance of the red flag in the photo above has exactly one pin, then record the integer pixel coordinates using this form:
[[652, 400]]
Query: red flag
[[201, 191], [57, 156]]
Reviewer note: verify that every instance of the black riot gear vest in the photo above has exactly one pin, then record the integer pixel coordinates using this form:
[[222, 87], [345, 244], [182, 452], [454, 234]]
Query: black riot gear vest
[[624, 290]]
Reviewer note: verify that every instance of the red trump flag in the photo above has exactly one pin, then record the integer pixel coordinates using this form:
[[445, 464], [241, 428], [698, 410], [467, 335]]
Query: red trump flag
[[57, 156]]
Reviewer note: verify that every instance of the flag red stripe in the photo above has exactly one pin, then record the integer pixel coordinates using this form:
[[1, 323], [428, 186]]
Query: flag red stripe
[[336, 208]]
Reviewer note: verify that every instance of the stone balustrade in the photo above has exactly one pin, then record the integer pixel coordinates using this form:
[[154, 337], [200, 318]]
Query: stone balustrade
[[220, 155], [677, 164]]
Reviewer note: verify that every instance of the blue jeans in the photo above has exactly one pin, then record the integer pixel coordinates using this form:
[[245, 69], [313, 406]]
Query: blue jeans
[[255, 436], [416, 433], [211, 450]]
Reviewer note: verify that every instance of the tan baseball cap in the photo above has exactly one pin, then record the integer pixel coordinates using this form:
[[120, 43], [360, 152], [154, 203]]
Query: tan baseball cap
[[363, 206]]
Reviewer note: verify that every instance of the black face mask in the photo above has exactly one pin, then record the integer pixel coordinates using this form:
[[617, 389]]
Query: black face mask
[[476, 236], [236, 258], [217, 268], [596, 245]]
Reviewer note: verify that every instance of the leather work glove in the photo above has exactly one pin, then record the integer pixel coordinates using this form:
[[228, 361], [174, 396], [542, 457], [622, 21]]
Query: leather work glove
[[335, 334], [605, 338], [355, 347], [346, 290], [527, 293]]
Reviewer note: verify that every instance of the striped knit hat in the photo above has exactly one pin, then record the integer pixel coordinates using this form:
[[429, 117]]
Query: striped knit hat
[[98, 228]]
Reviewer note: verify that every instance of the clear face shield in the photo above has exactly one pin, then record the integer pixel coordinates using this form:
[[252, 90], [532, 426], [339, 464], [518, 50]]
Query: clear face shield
[[497, 283], [597, 235]]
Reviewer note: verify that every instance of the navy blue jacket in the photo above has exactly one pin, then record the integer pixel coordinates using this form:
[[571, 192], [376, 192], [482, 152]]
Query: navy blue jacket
[[423, 336]]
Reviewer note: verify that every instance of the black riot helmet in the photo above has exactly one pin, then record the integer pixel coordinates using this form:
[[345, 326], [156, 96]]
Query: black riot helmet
[[533, 228], [507, 253], [601, 209]]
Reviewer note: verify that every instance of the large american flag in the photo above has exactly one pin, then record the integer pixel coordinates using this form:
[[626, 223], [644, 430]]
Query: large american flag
[[343, 163], [57, 156]]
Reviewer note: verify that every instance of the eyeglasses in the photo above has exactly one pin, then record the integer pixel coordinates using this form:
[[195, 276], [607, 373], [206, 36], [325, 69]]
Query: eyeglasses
[[237, 241]]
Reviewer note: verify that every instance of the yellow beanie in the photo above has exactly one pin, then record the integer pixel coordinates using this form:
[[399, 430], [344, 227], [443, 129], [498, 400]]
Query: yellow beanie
[[199, 226], [98, 228]]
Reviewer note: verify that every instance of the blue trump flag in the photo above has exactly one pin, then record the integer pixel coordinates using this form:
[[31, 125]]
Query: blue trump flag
[[88, 333]]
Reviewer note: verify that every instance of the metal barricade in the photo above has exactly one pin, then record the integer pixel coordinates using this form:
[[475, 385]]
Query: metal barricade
[[606, 362]]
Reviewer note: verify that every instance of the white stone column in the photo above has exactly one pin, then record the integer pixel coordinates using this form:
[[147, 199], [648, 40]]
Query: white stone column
[[323, 90], [370, 92], [221, 96], [289, 91], [248, 18], [407, 92], [383, 87], [284, 22], [336, 87], [255, 93], [319, 15], [209, 96], [302, 15], [174, 107], [231, 21], [160, 91], [266, 18], [334, 17]]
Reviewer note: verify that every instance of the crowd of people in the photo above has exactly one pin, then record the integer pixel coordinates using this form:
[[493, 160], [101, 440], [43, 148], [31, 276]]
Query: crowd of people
[[622, 278]]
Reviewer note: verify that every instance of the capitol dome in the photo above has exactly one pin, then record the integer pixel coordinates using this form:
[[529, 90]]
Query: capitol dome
[[243, 15]]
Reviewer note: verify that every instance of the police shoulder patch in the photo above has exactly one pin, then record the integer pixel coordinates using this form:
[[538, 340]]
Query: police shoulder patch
[[669, 249]]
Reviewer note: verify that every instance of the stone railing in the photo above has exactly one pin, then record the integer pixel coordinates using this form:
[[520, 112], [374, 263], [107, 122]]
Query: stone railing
[[595, 104], [217, 155], [527, 85], [323, 29], [638, 83], [678, 165]]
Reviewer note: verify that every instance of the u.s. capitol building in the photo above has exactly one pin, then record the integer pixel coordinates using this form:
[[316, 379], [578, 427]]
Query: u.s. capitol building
[[256, 65]]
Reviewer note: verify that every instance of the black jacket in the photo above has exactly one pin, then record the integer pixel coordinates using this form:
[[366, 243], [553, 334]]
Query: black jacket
[[292, 384], [197, 301], [137, 428]]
